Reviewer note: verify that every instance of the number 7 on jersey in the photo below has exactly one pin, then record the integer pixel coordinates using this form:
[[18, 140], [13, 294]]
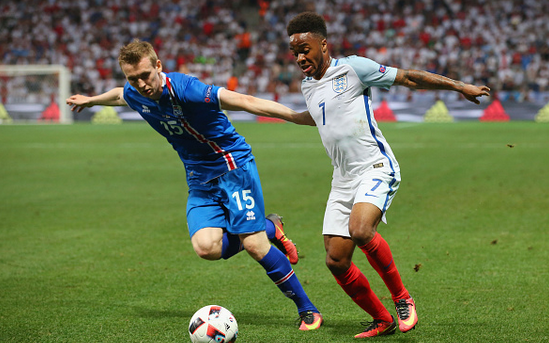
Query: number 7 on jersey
[[322, 105]]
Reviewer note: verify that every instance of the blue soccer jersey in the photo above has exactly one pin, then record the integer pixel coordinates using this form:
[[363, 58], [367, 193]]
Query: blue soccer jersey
[[193, 123]]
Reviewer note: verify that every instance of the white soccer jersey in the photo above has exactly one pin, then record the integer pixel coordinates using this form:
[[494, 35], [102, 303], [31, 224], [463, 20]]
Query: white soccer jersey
[[341, 106]]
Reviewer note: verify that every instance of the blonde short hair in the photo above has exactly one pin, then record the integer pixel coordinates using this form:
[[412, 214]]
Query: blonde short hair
[[134, 52]]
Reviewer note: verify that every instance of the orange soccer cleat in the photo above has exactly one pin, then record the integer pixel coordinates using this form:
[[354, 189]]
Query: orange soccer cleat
[[310, 320], [282, 242], [378, 328], [407, 316]]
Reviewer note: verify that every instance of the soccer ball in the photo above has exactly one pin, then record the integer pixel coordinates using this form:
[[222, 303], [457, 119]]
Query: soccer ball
[[213, 324]]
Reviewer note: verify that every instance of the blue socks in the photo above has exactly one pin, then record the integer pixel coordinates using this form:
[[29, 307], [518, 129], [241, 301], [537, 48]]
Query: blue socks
[[231, 245], [278, 268], [270, 229], [276, 265]]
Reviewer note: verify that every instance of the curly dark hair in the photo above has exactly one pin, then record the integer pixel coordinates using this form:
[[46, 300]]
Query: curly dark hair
[[307, 22]]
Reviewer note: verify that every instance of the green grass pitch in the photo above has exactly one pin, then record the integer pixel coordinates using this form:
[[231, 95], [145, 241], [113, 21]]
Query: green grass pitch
[[94, 244]]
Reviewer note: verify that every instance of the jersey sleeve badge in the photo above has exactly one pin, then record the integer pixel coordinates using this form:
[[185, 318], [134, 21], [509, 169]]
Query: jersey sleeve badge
[[208, 96]]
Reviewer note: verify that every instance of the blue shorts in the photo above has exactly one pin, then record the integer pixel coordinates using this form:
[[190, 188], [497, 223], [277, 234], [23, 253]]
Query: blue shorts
[[233, 201]]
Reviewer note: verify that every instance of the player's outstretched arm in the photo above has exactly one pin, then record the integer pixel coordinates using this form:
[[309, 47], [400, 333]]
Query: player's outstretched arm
[[420, 79], [233, 101], [114, 97]]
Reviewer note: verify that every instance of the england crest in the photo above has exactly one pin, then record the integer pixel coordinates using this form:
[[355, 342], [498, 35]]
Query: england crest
[[339, 83]]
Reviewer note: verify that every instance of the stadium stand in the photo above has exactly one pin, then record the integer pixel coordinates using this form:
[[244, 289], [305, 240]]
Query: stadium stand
[[501, 43]]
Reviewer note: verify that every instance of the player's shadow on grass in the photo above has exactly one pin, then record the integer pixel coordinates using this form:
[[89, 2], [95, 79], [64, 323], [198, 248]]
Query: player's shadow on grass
[[244, 318], [263, 319], [337, 328], [332, 327]]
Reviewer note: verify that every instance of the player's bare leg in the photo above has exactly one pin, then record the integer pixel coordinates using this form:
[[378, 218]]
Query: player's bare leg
[[339, 253], [208, 243], [256, 244], [363, 222]]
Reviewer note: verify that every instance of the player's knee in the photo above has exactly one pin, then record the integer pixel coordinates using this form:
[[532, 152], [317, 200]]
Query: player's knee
[[253, 251], [362, 235], [258, 250], [207, 250], [256, 245], [337, 266]]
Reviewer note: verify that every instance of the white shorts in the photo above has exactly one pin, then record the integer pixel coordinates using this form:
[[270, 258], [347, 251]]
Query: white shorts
[[376, 188]]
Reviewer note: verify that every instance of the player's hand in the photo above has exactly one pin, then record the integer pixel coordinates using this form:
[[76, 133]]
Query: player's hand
[[79, 102], [472, 92]]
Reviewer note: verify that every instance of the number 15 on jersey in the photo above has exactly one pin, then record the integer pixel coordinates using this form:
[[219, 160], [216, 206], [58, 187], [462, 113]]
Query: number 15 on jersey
[[248, 200]]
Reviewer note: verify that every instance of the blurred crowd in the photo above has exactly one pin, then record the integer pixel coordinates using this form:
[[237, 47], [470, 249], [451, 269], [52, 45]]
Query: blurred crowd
[[242, 44]]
